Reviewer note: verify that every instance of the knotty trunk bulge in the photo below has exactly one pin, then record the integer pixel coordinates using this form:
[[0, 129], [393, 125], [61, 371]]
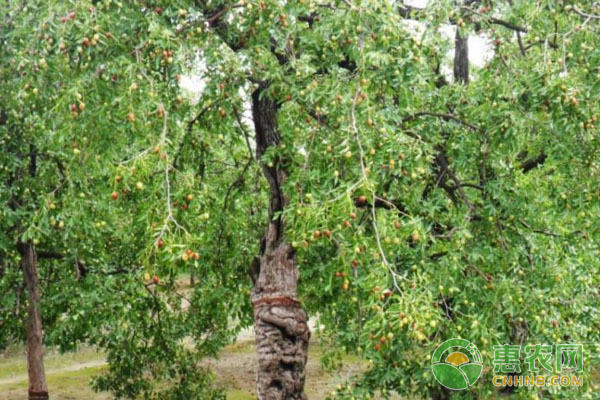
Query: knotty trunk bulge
[[282, 332], [38, 389]]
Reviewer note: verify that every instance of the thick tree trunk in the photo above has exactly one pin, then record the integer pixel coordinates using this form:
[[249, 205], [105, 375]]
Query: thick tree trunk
[[281, 327], [38, 388]]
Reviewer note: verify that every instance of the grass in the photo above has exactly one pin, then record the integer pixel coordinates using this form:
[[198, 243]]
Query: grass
[[237, 394], [69, 385], [69, 374], [242, 347], [13, 363]]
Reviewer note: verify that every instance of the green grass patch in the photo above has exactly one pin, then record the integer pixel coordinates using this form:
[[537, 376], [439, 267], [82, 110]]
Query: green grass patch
[[69, 385], [242, 347], [240, 395], [13, 363]]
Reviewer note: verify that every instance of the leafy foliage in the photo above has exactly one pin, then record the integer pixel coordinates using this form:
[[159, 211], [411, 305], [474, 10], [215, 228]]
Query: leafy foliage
[[421, 209], [105, 172]]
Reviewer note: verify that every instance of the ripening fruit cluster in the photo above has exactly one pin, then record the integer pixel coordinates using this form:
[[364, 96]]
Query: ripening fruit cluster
[[190, 255]]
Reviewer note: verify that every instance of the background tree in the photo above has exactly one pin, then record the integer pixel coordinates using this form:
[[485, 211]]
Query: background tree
[[104, 178]]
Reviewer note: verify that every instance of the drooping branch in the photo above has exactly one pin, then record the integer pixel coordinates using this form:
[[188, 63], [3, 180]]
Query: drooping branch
[[466, 184], [508, 25], [444, 116], [444, 174], [215, 19], [188, 132], [381, 202], [240, 123], [552, 45], [410, 12], [61, 174], [584, 14], [237, 182], [163, 145], [32, 160], [497, 21], [521, 47], [487, 277], [540, 231]]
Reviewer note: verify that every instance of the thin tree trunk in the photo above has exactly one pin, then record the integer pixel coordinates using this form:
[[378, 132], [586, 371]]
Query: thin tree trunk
[[281, 327], [441, 163], [461, 58], [38, 388]]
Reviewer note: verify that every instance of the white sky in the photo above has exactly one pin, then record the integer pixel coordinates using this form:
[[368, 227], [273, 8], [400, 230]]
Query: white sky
[[416, 3]]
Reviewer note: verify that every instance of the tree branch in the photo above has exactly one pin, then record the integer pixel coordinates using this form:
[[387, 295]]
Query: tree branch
[[236, 182], [585, 15], [244, 131], [534, 162], [445, 117], [410, 12], [381, 202], [49, 255], [508, 25], [465, 184], [520, 41]]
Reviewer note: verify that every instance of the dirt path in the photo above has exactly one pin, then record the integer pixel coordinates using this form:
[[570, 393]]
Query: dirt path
[[236, 370]]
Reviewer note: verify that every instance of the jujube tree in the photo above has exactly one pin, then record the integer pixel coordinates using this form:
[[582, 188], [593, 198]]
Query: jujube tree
[[403, 206]]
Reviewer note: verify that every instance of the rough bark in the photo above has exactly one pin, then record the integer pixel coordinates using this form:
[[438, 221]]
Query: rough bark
[[38, 388], [281, 327]]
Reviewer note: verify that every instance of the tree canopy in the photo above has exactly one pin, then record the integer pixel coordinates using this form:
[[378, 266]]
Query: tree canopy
[[421, 205]]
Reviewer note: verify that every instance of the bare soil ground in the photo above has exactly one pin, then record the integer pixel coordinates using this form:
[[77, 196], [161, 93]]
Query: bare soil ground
[[236, 368]]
